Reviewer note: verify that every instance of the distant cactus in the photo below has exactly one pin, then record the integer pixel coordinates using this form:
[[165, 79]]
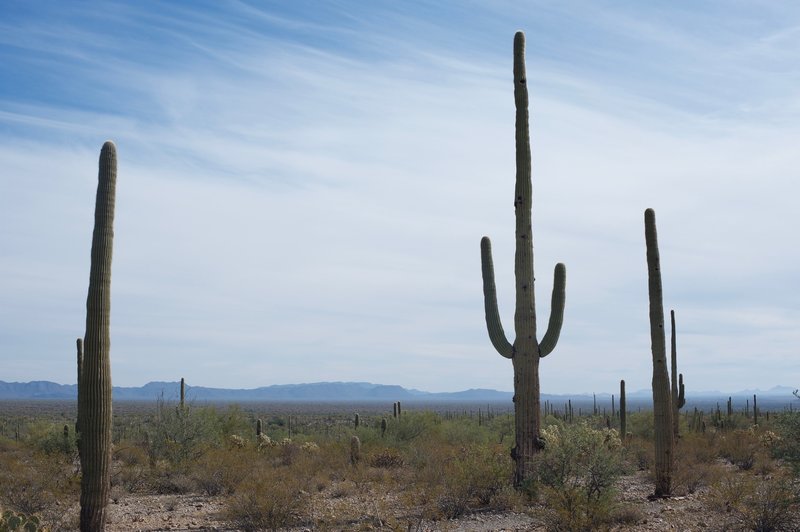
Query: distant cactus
[[357, 421], [526, 349], [79, 345], [662, 402], [355, 450], [183, 393], [383, 427], [755, 410], [258, 428], [623, 415], [94, 400]]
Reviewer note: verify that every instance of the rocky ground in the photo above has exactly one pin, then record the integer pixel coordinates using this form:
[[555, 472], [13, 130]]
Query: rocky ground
[[380, 511]]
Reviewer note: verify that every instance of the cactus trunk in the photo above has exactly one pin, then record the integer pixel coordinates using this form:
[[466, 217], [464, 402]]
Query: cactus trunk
[[94, 400], [662, 401], [526, 350]]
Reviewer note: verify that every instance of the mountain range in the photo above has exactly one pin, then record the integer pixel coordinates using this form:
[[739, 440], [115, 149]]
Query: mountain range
[[332, 392]]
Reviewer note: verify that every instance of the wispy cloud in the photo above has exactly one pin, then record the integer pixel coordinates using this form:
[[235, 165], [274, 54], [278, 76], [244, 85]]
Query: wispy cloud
[[301, 199]]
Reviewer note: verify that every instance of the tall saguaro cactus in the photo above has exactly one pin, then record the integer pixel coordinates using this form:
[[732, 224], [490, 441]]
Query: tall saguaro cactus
[[676, 380], [662, 401], [526, 350], [94, 393]]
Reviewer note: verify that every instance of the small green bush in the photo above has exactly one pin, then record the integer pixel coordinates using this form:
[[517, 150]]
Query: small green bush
[[576, 471]]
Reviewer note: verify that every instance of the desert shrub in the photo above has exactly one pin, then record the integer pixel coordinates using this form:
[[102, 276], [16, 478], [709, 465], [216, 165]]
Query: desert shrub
[[182, 434], [38, 484], [50, 437], [471, 478], [220, 471], [696, 463], [130, 468], [787, 445], [762, 504], [267, 501], [640, 424], [576, 473], [740, 448], [412, 425], [639, 453], [386, 458]]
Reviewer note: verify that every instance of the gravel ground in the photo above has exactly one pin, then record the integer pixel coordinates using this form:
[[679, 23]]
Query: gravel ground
[[383, 511]]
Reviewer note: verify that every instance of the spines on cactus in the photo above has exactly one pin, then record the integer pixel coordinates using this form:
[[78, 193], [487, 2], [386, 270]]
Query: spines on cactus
[[94, 401], [526, 350]]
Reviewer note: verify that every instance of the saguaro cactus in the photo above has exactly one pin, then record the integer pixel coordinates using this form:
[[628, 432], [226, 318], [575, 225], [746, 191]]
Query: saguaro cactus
[[94, 399], [623, 414], [79, 345], [662, 402], [678, 395], [183, 393], [526, 351]]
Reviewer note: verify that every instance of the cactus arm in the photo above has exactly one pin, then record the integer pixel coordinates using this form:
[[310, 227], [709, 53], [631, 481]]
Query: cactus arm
[[550, 339], [496, 333]]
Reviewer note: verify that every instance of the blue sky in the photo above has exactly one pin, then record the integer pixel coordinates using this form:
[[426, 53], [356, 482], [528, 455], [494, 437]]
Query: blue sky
[[303, 187]]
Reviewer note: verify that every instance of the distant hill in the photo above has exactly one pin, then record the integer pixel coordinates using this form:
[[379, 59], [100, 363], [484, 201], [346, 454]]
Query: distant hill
[[342, 392], [310, 392]]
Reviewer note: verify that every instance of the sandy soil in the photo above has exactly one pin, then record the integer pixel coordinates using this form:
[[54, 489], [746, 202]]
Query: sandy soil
[[380, 511]]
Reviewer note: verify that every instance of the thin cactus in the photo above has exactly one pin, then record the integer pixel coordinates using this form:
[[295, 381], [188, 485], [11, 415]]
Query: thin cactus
[[383, 427], [94, 401], [357, 421], [662, 403], [183, 393], [258, 428], [79, 345], [526, 350], [678, 396], [755, 410], [623, 415]]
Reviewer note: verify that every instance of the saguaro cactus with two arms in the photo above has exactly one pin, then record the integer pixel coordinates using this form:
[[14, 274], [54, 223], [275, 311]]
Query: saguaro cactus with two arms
[[526, 350], [94, 399]]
